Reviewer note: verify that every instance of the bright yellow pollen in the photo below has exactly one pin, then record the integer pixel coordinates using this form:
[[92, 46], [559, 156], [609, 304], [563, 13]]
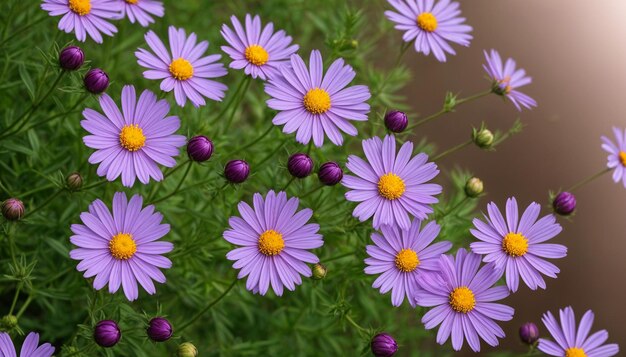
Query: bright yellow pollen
[[575, 352], [80, 7], [271, 243], [462, 300], [427, 21], [317, 101], [507, 85], [181, 69], [407, 261], [622, 157], [391, 186], [122, 246], [132, 138], [132, 2], [257, 55], [515, 244]]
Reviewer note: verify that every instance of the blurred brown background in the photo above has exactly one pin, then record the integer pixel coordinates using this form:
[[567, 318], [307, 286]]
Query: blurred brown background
[[576, 54]]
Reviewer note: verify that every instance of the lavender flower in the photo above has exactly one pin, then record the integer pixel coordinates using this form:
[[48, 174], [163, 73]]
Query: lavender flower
[[200, 148], [30, 348], [515, 246], [71, 58], [330, 173], [617, 154], [85, 17], [506, 79], [96, 81], [107, 333], [141, 10], [274, 241], [237, 171]]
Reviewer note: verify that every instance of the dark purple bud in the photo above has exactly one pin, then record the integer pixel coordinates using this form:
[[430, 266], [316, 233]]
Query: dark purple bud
[[330, 173], [12, 209], [396, 121], [237, 171], [300, 165], [564, 203], [200, 148], [529, 333], [383, 345], [96, 81], [107, 333], [159, 329], [71, 58]]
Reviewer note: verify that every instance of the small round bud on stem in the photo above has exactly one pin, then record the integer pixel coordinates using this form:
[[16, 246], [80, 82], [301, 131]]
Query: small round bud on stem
[[12, 209], [71, 58], [200, 148], [483, 138], [383, 345], [74, 181], [319, 271], [107, 333], [8, 322], [187, 349], [396, 121], [529, 333], [330, 173], [159, 329], [237, 171], [96, 81], [300, 165], [474, 187], [564, 203]]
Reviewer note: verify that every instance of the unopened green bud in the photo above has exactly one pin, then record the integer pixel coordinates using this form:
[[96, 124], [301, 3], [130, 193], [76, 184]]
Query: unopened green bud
[[450, 102], [319, 271], [483, 138], [474, 187], [354, 44], [74, 181], [187, 349], [8, 322]]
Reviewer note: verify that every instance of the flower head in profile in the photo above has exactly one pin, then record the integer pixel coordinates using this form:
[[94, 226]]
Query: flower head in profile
[[516, 246], [507, 78], [401, 256], [30, 348], [142, 10], [260, 52], [462, 296], [274, 241], [617, 154], [391, 187], [433, 25], [122, 248], [183, 69], [134, 141], [315, 103], [85, 17], [572, 340]]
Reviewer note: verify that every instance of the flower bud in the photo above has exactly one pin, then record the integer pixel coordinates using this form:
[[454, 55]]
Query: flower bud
[[473, 187], [330, 173], [107, 333], [383, 345], [200, 148], [319, 271], [12, 209], [8, 322], [71, 58], [564, 203], [74, 181], [483, 138], [300, 165], [159, 329], [186, 349], [529, 333], [396, 121], [96, 81], [237, 171]]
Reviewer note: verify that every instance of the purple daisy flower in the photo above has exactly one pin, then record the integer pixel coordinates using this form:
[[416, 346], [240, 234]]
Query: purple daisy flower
[[314, 103], [391, 187], [85, 17], [572, 343], [432, 24], [401, 256], [133, 143], [184, 71], [274, 240], [140, 10], [463, 298], [30, 348], [515, 245], [617, 154], [122, 249], [506, 79], [259, 52]]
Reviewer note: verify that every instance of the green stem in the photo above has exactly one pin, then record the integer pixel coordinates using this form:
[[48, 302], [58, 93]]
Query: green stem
[[452, 150], [379, 90], [208, 307], [180, 183], [588, 179], [24, 306], [473, 97], [312, 191], [95, 184], [454, 208], [340, 256], [237, 101], [17, 294], [20, 30], [253, 142], [288, 183], [353, 323], [41, 122], [446, 109], [273, 153], [44, 204]]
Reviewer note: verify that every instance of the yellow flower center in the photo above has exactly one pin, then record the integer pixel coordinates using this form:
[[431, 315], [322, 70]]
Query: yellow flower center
[[257, 55], [181, 69], [622, 157], [132, 2], [271, 243], [515, 244], [427, 21], [317, 101], [505, 85], [391, 186], [406, 260], [80, 7], [575, 352], [132, 138], [122, 246], [462, 300]]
